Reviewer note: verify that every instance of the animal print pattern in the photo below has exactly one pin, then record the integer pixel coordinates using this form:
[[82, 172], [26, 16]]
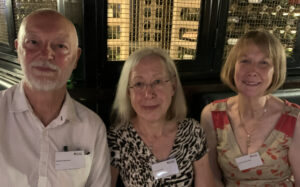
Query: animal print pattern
[[134, 159]]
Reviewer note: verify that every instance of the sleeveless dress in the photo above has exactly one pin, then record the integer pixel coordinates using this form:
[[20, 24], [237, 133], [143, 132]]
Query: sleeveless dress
[[276, 170]]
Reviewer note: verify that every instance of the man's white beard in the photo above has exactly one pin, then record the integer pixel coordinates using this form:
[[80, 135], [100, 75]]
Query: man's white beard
[[46, 80]]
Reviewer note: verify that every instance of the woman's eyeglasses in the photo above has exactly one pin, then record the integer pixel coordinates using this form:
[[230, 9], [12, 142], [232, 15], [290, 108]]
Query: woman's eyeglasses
[[140, 86]]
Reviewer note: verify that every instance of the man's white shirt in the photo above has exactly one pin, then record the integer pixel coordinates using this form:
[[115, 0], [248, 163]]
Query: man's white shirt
[[28, 148]]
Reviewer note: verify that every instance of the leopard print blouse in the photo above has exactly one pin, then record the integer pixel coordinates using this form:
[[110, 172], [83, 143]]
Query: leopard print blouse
[[134, 159]]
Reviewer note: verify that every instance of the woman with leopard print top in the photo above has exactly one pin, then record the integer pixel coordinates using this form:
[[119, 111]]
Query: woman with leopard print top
[[151, 141]]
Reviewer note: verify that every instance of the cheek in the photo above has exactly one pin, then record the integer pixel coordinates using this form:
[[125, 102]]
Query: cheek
[[65, 57], [133, 99], [167, 97], [23, 54], [135, 104], [236, 76], [270, 74], [237, 71], [66, 60]]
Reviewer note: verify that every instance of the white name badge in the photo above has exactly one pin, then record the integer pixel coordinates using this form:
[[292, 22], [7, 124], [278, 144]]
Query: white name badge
[[249, 161], [165, 168], [69, 160]]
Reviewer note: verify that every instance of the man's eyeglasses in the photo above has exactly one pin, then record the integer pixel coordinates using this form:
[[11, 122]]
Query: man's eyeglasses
[[140, 86]]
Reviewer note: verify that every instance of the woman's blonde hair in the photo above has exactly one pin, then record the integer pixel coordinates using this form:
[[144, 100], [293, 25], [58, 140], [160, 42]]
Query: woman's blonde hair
[[269, 44], [122, 110]]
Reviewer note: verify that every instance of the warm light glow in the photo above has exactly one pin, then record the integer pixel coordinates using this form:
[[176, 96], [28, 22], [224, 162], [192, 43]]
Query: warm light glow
[[296, 14], [254, 1], [232, 41]]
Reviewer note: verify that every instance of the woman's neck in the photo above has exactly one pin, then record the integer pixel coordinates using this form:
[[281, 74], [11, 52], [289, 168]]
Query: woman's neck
[[152, 128], [252, 107]]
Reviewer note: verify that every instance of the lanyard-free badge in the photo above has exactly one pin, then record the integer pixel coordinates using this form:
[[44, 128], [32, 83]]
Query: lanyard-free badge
[[249, 161], [69, 160], [165, 168]]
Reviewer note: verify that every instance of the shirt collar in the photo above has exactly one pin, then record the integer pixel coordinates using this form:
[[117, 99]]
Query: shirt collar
[[19, 100], [20, 103], [68, 110]]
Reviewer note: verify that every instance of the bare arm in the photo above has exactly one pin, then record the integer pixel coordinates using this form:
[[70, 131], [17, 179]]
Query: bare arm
[[294, 153], [207, 124], [203, 174], [114, 175]]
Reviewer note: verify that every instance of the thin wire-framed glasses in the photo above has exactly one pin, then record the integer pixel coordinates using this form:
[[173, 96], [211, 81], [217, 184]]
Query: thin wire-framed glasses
[[140, 86]]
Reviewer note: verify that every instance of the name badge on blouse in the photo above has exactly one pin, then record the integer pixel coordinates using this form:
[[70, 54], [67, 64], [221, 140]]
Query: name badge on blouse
[[165, 168], [69, 160], [249, 161]]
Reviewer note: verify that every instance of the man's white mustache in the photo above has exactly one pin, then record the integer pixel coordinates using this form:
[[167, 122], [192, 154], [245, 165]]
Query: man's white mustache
[[44, 64]]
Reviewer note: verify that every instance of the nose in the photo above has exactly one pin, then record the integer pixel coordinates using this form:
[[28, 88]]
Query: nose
[[47, 52], [149, 91], [252, 70], [252, 74]]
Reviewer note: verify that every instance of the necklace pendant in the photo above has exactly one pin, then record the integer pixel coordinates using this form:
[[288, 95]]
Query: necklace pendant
[[248, 140]]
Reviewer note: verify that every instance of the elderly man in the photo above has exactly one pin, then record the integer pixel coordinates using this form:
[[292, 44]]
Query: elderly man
[[47, 138]]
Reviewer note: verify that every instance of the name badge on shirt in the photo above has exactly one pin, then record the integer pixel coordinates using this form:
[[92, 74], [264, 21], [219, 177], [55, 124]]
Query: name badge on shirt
[[165, 168], [69, 160], [249, 161]]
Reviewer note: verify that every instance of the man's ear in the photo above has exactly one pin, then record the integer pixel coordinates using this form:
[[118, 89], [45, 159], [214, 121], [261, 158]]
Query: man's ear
[[78, 53]]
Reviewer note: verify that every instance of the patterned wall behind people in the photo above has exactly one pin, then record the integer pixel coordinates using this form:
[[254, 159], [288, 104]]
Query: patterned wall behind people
[[279, 17]]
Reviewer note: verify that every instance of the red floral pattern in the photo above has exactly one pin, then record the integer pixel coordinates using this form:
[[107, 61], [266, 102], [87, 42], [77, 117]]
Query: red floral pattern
[[275, 170]]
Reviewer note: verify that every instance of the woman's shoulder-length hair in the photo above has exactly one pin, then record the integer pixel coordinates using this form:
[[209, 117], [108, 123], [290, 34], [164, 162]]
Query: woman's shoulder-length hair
[[268, 43], [122, 111]]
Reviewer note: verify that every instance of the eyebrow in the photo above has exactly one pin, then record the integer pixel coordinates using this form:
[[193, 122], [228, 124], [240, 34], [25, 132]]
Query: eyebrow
[[30, 34]]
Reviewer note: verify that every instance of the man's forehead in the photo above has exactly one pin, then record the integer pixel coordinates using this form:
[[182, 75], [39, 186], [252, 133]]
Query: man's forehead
[[37, 27], [51, 23], [58, 35]]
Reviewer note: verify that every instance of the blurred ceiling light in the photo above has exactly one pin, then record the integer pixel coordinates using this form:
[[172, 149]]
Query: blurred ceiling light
[[254, 1]]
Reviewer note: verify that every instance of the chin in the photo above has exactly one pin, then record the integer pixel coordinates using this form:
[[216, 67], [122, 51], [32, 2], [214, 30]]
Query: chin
[[44, 84]]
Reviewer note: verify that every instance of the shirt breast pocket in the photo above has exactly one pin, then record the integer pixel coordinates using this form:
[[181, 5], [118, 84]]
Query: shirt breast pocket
[[75, 177]]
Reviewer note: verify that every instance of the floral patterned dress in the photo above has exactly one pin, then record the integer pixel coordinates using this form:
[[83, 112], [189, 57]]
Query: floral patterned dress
[[276, 170]]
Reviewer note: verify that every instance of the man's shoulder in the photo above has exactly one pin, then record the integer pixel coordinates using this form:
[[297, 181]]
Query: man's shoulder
[[7, 93], [7, 99], [85, 113]]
